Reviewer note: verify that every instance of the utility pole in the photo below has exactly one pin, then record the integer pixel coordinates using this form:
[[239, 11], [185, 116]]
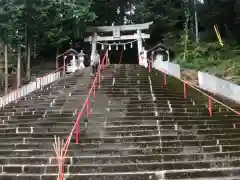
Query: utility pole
[[196, 21], [6, 67]]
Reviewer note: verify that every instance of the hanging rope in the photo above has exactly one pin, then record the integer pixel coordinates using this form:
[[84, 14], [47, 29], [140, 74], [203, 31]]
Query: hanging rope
[[116, 44]]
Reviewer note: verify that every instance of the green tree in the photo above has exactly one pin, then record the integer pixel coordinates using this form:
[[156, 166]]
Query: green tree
[[41, 24]]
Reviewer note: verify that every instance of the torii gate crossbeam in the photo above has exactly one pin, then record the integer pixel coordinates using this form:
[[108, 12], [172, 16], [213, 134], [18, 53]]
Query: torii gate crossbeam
[[139, 36]]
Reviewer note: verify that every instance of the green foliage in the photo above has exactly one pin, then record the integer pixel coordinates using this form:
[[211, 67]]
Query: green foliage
[[168, 17], [208, 55], [47, 22], [51, 23], [211, 57]]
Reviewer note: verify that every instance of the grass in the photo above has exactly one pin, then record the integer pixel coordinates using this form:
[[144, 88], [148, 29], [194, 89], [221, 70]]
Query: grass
[[223, 62]]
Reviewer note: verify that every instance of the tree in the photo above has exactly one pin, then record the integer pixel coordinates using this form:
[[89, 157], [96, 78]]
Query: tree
[[42, 24], [7, 33]]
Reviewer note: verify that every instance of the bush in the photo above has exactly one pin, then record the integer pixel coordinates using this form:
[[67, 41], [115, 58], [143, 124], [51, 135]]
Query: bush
[[211, 57]]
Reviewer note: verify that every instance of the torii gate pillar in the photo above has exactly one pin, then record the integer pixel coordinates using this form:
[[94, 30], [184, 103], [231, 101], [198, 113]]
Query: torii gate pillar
[[139, 41], [94, 42]]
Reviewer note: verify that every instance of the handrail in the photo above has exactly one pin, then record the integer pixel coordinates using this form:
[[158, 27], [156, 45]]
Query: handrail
[[197, 89], [85, 105]]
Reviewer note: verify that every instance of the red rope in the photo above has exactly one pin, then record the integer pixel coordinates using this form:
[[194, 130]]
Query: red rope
[[66, 145], [210, 98]]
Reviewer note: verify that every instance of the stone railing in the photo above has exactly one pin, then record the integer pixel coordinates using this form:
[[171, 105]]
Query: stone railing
[[29, 88], [219, 86]]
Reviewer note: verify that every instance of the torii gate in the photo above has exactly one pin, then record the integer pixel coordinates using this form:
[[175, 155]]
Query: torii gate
[[116, 30]]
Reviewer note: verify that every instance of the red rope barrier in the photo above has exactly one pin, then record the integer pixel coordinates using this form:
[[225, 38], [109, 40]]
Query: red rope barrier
[[185, 90], [149, 67], [210, 106], [165, 79], [94, 91], [85, 105], [87, 108], [210, 98]]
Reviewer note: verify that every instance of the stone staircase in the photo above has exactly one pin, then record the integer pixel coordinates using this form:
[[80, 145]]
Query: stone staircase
[[27, 127], [137, 130]]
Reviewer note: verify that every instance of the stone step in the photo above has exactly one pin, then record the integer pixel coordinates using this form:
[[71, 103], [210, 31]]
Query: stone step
[[166, 132], [173, 122], [115, 104], [174, 143], [160, 112], [35, 134], [159, 149], [40, 123], [136, 101], [135, 96], [142, 175], [161, 108], [171, 116], [157, 137], [21, 109], [42, 105], [182, 142], [121, 167], [37, 112], [112, 87], [27, 116], [20, 130], [123, 159], [160, 126]]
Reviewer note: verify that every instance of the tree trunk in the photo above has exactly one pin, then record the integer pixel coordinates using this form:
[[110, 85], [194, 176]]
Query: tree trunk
[[28, 61], [34, 49], [57, 53], [6, 67], [122, 15], [19, 66]]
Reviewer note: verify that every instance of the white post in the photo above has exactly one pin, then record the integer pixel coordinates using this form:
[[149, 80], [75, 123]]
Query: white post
[[139, 42], [94, 42], [107, 58], [168, 57], [145, 60], [74, 63]]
